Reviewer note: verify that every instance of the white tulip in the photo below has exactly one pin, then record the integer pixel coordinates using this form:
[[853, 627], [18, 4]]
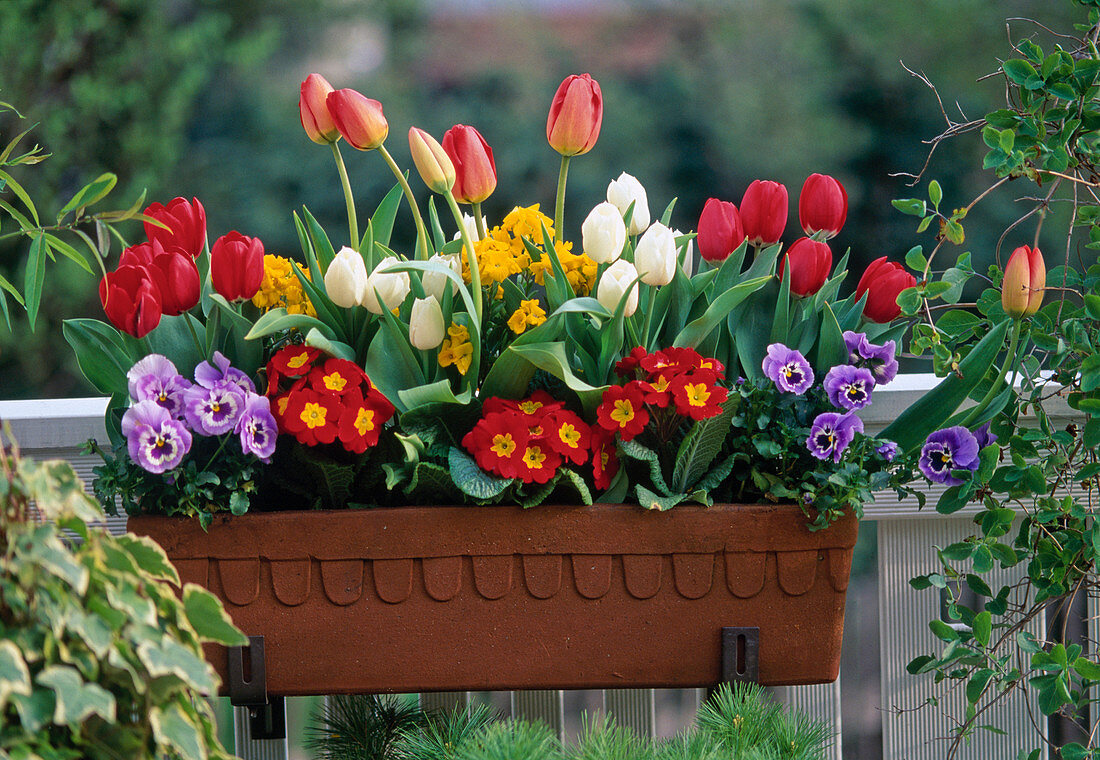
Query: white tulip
[[624, 191], [435, 283], [603, 233], [391, 287], [655, 256], [346, 278], [614, 283], [688, 264], [426, 324], [470, 224]]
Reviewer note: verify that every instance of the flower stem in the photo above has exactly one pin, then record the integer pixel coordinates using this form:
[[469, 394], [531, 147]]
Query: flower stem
[[649, 316], [559, 206], [421, 231], [480, 221], [471, 255], [353, 223], [195, 337]]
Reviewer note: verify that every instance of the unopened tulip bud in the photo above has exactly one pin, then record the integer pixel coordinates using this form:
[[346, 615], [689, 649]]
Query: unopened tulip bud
[[764, 212], [626, 190], [391, 287], [616, 281], [426, 329], [1024, 280], [433, 163], [687, 260], [576, 114], [655, 256], [810, 262], [435, 283], [475, 170], [313, 106], [822, 205], [346, 278], [358, 118], [883, 281], [719, 230], [603, 233]]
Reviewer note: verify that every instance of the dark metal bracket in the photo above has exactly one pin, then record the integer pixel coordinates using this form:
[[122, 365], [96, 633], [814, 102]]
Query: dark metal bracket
[[740, 655], [248, 688]]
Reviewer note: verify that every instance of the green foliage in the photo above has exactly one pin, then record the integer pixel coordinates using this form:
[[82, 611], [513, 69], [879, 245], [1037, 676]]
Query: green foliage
[[99, 657], [362, 727]]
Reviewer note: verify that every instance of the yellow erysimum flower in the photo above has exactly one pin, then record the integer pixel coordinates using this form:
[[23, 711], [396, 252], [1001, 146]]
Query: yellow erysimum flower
[[580, 270], [528, 314], [527, 223], [280, 287], [457, 349]]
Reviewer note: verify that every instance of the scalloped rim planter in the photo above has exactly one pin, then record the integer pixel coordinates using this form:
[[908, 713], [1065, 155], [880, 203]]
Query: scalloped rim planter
[[482, 598]]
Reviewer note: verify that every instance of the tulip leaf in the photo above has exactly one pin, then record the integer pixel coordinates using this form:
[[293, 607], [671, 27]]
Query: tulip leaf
[[671, 307], [384, 215], [440, 268], [318, 339], [392, 365], [174, 339], [831, 350], [278, 319], [321, 243], [781, 322], [434, 393], [438, 238], [913, 426], [751, 327], [729, 272], [326, 310], [694, 332], [101, 352]]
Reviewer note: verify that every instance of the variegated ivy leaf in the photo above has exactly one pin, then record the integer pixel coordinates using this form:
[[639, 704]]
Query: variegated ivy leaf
[[139, 608], [14, 676], [46, 550], [170, 658], [209, 619], [75, 699], [174, 729], [150, 557]]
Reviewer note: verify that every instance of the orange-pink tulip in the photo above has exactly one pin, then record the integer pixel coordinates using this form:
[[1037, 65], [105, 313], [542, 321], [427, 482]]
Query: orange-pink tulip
[[1025, 278], [358, 118], [576, 114], [316, 119]]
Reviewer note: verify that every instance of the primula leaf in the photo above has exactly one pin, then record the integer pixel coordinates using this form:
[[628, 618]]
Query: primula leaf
[[472, 480], [650, 500], [209, 619], [700, 446], [637, 451], [576, 482]]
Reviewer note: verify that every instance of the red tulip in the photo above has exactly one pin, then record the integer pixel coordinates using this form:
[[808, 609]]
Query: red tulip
[[358, 118], [883, 282], [186, 222], [719, 231], [822, 205], [316, 119], [237, 266], [576, 114], [174, 271], [475, 170], [810, 261], [764, 212], [130, 299], [1024, 280]]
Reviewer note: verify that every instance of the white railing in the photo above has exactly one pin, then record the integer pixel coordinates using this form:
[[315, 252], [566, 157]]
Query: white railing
[[904, 538]]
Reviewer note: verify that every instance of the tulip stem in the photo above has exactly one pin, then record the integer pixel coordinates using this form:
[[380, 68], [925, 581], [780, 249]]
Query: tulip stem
[[479, 220], [995, 388], [195, 336], [353, 223], [649, 316], [421, 231], [559, 206], [471, 256]]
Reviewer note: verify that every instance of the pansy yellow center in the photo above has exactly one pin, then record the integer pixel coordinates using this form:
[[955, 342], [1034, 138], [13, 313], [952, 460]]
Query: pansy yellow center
[[334, 381], [299, 361], [697, 394], [215, 407], [503, 445], [569, 435], [364, 421], [313, 415], [533, 457], [162, 396], [623, 411]]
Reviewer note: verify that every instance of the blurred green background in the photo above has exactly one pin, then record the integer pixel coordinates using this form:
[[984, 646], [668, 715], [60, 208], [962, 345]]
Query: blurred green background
[[199, 98]]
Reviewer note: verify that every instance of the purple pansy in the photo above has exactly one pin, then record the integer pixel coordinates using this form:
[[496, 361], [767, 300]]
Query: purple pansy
[[849, 387], [953, 448], [881, 360], [831, 433], [984, 437], [213, 411], [156, 441], [154, 378], [211, 375], [888, 450], [788, 369], [257, 428]]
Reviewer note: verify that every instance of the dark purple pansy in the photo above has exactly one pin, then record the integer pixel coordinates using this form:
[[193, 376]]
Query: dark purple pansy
[[154, 378], [788, 369], [953, 448], [213, 411], [209, 375], [257, 428], [984, 437], [156, 440], [881, 360], [849, 387], [888, 450], [831, 433]]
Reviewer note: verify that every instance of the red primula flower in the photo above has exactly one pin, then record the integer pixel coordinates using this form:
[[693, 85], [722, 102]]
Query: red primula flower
[[539, 462], [293, 360], [658, 362], [498, 443], [537, 405], [362, 419], [338, 376], [568, 435], [713, 365], [627, 366], [312, 417], [698, 395], [623, 409], [605, 457]]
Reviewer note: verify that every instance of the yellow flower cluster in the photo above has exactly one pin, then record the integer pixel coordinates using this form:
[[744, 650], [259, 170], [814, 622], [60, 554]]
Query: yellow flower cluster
[[580, 270], [280, 287], [457, 349], [529, 314]]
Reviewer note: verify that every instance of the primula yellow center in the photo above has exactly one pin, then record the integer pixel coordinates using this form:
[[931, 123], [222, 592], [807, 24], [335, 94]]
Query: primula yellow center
[[530, 407], [364, 421], [314, 415], [535, 431], [660, 384], [503, 445], [335, 381], [569, 435], [706, 364], [604, 459], [623, 412], [533, 457], [299, 361], [697, 395], [281, 403]]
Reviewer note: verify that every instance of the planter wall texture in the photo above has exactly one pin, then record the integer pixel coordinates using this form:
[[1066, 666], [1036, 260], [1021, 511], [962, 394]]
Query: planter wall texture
[[480, 598]]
